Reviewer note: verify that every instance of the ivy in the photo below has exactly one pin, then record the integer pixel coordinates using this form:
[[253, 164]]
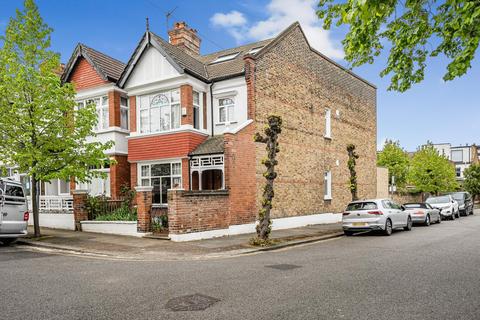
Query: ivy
[[352, 162]]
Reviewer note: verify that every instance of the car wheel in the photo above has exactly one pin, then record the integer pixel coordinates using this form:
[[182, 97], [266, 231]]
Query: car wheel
[[439, 218], [471, 212], [458, 214], [388, 228], [452, 217], [409, 225], [427, 220], [7, 241], [348, 233]]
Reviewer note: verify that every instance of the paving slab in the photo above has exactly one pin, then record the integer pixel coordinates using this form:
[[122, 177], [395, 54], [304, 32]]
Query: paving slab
[[125, 247]]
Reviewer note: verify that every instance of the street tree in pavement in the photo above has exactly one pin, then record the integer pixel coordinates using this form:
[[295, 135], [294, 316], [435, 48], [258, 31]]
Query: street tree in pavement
[[43, 134], [432, 172], [413, 31]]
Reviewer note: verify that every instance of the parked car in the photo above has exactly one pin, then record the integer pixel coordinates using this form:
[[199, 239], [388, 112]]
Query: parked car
[[465, 202], [13, 211], [377, 214], [447, 205], [423, 213]]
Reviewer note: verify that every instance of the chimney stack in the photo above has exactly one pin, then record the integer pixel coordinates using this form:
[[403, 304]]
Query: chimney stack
[[185, 38]]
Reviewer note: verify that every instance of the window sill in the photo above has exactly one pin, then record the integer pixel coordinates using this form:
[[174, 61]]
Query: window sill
[[327, 198], [225, 123], [328, 137], [156, 205]]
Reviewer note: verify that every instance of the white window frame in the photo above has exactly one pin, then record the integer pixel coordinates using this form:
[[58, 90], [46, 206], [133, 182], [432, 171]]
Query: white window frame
[[59, 188], [327, 194], [328, 123], [146, 180], [127, 110], [197, 106], [229, 110], [156, 127], [106, 190], [102, 111], [226, 57]]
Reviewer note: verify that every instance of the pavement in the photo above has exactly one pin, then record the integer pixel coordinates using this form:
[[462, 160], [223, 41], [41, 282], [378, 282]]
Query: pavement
[[134, 248], [429, 273]]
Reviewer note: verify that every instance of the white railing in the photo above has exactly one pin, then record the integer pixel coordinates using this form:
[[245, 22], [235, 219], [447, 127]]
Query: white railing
[[54, 204]]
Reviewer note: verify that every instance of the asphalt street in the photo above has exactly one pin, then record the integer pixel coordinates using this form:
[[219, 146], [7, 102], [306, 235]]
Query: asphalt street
[[428, 273]]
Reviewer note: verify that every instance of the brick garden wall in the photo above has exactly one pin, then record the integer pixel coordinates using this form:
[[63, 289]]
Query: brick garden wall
[[196, 211], [298, 84]]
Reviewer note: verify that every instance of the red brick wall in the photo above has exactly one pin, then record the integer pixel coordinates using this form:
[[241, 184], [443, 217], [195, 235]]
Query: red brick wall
[[133, 175], [240, 177], [133, 113], [185, 174], [175, 145], [119, 176], [186, 101], [196, 211], [84, 76], [114, 108]]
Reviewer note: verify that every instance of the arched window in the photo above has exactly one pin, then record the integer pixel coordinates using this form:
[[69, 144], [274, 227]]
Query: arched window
[[159, 112]]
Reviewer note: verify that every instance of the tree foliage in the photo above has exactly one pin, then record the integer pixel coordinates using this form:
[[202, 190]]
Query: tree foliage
[[396, 160], [414, 29], [432, 172], [352, 162], [43, 134], [472, 179], [272, 130]]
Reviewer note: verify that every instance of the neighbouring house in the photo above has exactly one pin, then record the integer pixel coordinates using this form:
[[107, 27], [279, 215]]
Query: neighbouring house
[[183, 126], [461, 156]]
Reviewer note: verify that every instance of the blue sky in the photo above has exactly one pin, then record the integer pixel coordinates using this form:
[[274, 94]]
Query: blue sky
[[433, 110]]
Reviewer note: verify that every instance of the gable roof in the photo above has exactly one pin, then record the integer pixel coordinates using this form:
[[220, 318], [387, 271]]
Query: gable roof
[[107, 67], [204, 67]]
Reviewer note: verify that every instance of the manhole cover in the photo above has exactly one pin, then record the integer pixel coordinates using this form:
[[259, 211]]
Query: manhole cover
[[193, 302], [283, 266]]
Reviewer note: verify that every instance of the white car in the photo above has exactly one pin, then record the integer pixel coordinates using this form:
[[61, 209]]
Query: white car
[[13, 211], [448, 206], [376, 214]]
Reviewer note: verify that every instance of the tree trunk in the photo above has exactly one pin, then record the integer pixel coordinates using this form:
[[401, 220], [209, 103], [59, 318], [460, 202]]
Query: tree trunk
[[35, 205]]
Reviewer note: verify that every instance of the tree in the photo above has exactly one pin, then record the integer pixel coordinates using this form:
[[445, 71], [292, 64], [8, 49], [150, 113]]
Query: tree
[[44, 135], [472, 180], [415, 30], [272, 130], [352, 162], [396, 160], [432, 172]]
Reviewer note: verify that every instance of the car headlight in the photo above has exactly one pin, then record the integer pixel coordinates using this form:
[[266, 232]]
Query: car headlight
[[462, 206]]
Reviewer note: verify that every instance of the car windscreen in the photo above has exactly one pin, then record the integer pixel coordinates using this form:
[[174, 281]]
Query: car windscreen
[[438, 200], [415, 205], [367, 205], [458, 196]]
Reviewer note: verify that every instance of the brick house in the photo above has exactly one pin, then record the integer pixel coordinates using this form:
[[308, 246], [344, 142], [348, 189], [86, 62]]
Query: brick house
[[192, 118]]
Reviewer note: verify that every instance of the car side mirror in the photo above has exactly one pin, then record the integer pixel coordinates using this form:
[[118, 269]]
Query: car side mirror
[[453, 201], [402, 207]]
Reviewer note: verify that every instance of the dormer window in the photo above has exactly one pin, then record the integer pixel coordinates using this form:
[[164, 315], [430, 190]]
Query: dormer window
[[254, 50], [226, 57]]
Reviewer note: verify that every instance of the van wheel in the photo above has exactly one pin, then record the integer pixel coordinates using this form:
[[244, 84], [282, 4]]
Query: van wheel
[[388, 228], [7, 241], [408, 227]]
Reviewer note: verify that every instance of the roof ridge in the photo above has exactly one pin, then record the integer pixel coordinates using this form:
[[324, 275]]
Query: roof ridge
[[88, 47]]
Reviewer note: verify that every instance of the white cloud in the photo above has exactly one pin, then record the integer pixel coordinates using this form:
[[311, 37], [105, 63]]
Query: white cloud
[[281, 13], [231, 19]]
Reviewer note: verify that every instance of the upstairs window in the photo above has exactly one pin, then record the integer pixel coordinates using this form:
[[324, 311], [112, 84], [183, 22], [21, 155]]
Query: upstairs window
[[328, 123], [159, 112], [124, 113], [327, 194], [226, 109], [101, 106], [196, 109]]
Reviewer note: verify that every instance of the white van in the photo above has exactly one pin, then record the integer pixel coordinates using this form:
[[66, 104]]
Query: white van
[[13, 211]]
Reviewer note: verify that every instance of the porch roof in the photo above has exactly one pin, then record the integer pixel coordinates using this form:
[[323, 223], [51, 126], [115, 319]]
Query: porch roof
[[213, 145]]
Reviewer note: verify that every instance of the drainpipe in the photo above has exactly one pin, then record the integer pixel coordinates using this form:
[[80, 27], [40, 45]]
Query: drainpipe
[[211, 107]]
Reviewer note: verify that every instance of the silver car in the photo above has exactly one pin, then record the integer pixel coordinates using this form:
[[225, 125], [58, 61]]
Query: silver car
[[376, 214], [13, 211], [423, 213]]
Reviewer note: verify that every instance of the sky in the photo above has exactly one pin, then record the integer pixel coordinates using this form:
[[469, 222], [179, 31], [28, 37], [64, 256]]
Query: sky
[[434, 110]]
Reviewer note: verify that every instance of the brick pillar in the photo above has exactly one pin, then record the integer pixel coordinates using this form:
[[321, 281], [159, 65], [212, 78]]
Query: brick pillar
[[79, 207], [144, 208], [186, 101]]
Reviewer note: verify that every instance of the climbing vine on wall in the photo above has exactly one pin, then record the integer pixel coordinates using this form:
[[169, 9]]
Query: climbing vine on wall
[[270, 138], [352, 162]]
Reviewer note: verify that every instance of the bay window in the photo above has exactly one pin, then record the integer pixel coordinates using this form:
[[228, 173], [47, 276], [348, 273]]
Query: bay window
[[101, 106], [226, 110], [162, 177], [124, 113], [159, 112]]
